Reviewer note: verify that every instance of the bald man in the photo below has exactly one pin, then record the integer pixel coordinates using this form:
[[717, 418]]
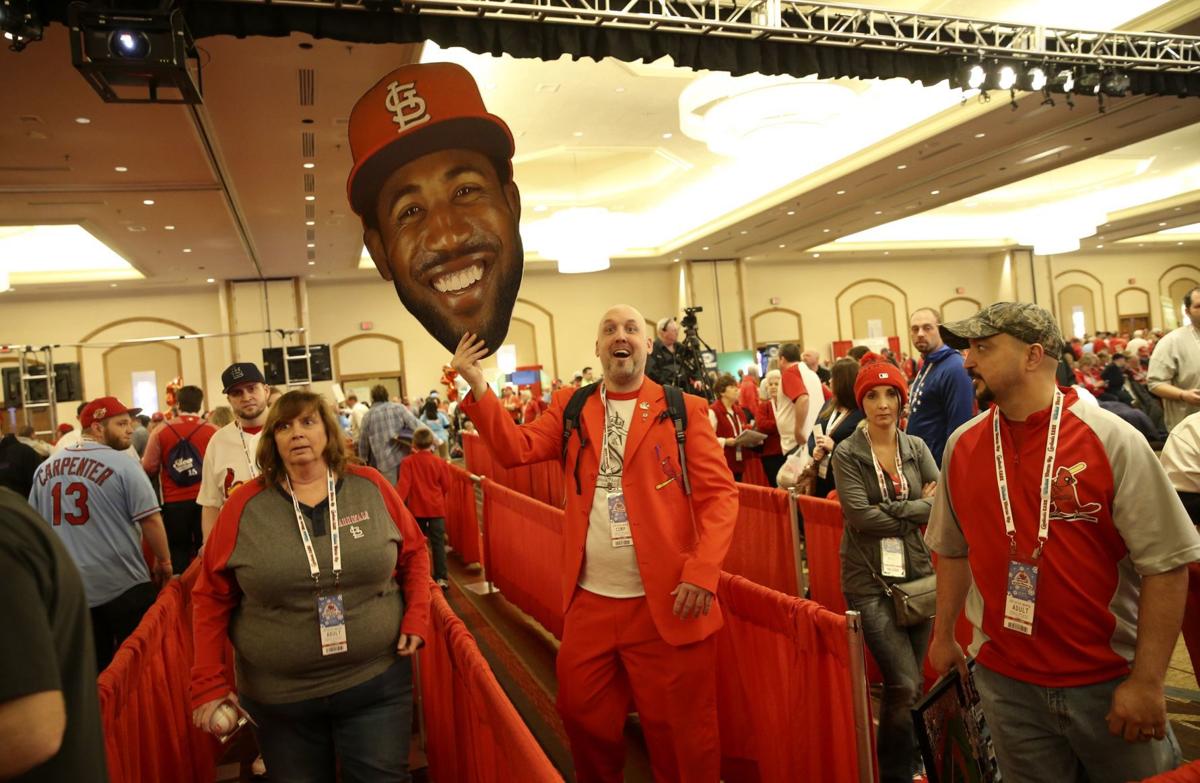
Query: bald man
[[641, 556]]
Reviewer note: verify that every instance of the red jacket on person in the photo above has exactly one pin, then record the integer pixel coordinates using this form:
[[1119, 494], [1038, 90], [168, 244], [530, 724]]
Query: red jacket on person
[[423, 484], [726, 429], [677, 538], [765, 423], [748, 394]]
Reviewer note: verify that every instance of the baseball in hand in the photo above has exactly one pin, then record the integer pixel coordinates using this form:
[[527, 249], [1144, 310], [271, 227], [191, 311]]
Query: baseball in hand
[[224, 720]]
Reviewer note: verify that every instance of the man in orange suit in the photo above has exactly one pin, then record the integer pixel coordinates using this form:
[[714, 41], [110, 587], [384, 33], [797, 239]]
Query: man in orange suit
[[641, 556]]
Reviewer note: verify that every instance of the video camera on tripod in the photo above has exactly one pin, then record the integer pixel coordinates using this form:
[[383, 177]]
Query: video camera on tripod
[[691, 358]]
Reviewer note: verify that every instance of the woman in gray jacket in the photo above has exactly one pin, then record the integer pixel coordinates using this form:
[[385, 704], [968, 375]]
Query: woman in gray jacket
[[885, 482]]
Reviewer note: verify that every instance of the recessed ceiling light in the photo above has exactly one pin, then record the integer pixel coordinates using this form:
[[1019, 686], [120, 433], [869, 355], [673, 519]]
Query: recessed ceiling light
[[791, 211], [677, 260], [1141, 244], [879, 212], [668, 135], [1179, 243], [887, 252], [540, 208], [980, 135], [312, 263], [82, 120], [112, 285], [309, 165], [310, 222], [824, 231], [902, 167], [168, 228], [121, 169], [704, 248], [310, 198], [816, 255], [1178, 209], [1160, 225], [841, 192], [934, 192], [743, 231], [312, 244], [148, 202], [622, 89], [187, 250], [577, 134], [782, 246], [1099, 247], [210, 280]]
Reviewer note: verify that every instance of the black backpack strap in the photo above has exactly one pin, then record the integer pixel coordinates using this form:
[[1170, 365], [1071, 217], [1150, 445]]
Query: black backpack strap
[[570, 423], [677, 410]]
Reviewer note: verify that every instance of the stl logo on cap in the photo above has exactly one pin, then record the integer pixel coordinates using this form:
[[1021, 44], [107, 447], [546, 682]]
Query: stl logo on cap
[[883, 376], [407, 108], [236, 372], [100, 413]]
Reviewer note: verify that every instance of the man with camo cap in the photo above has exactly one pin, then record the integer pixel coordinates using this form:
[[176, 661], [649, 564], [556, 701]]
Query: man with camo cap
[[1058, 532]]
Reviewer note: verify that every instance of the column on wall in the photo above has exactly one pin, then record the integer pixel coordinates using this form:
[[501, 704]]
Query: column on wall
[[717, 286]]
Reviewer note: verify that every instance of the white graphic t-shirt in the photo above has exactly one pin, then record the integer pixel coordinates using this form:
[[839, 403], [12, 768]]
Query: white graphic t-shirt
[[609, 570]]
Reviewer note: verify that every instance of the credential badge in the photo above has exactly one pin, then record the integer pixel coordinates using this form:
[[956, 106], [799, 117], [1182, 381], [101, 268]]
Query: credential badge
[[407, 108]]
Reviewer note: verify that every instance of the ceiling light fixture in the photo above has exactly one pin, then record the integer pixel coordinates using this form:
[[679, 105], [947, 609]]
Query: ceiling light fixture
[[704, 248], [312, 263], [902, 167], [309, 165], [934, 192], [1004, 77], [310, 222], [310, 198], [841, 192], [816, 255], [1062, 81], [879, 212], [210, 280], [668, 135], [120, 169], [791, 212], [980, 135], [83, 120], [112, 285], [1033, 79], [782, 246], [312, 244], [187, 250], [148, 202], [970, 76], [168, 228]]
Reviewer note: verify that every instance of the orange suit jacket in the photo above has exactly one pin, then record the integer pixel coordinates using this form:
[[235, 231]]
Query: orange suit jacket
[[672, 544]]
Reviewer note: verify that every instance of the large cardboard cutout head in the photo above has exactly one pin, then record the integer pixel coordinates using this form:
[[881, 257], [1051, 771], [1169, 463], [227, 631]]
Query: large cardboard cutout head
[[432, 182]]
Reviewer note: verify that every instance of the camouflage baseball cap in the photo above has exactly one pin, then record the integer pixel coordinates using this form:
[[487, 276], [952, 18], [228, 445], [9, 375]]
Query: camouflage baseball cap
[[1026, 322]]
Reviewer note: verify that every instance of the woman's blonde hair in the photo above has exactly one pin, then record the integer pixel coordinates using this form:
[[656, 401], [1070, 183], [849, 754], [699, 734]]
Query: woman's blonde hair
[[287, 409]]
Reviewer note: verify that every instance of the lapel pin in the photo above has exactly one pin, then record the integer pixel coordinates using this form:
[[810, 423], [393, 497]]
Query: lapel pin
[[644, 406]]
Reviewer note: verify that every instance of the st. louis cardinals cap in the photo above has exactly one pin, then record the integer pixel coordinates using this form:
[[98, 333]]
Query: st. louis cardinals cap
[[241, 372], [413, 111], [103, 408]]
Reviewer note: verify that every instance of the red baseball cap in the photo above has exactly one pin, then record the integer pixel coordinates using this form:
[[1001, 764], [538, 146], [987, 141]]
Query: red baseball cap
[[880, 374], [104, 408], [413, 111]]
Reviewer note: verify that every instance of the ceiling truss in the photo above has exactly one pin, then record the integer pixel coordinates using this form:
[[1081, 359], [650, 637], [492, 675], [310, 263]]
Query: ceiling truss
[[823, 24]]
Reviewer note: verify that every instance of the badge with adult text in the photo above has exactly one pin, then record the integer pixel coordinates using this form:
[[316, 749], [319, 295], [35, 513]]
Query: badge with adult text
[[1021, 598], [331, 616], [891, 557], [618, 520]]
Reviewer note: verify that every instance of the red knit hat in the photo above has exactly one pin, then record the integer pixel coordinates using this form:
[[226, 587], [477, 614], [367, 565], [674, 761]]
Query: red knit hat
[[880, 374]]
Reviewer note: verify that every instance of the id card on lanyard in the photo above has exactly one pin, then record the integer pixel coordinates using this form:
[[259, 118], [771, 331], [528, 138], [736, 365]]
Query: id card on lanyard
[[891, 550], [1020, 602], [331, 613], [620, 533]]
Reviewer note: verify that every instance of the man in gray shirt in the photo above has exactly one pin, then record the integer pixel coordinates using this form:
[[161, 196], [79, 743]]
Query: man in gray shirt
[[1174, 374], [379, 443]]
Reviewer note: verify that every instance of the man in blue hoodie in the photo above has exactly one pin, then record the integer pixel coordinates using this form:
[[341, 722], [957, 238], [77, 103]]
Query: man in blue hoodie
[[941, 396]]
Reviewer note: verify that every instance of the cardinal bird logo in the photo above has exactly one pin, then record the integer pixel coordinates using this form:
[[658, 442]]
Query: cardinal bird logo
[[1064, 496]]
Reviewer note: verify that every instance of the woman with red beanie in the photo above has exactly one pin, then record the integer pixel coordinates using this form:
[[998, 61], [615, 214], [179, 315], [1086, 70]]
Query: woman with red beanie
[[885, 482]]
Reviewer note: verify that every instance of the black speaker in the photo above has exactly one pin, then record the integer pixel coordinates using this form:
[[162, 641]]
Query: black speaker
[[68, 384], [297, 369]]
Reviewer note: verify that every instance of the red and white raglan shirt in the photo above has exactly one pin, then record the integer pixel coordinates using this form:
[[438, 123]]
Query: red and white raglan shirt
[[255, 590], [1114, 519], [230, 460]]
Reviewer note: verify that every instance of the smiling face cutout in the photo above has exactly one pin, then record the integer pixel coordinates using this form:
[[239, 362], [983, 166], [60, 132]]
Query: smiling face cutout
[[445, 231]]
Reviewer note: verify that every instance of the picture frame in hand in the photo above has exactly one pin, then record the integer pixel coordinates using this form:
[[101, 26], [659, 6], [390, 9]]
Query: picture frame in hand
[[955, 741]]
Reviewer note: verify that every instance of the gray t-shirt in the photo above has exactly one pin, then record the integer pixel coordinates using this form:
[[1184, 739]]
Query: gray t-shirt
[[1176, 360]]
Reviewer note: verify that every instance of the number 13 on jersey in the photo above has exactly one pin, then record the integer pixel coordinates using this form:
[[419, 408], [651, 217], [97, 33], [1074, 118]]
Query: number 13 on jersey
[[77, 496]]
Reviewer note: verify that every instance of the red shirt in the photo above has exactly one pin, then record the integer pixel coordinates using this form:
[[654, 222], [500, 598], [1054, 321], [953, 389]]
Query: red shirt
[[158, 452], [532, 410], [764, 422], [748, 393], [1114, 517], [423, 484]]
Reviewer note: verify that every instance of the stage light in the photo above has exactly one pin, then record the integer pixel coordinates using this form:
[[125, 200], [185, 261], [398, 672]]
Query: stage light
[[129, 44], [1063, 80], [19, 23], [1088, 83], [1115, 84], [1002, 77], [970, 76], [1034, 79]]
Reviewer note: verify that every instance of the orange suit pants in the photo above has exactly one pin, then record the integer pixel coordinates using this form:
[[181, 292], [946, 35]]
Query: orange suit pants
[[611, 656]]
